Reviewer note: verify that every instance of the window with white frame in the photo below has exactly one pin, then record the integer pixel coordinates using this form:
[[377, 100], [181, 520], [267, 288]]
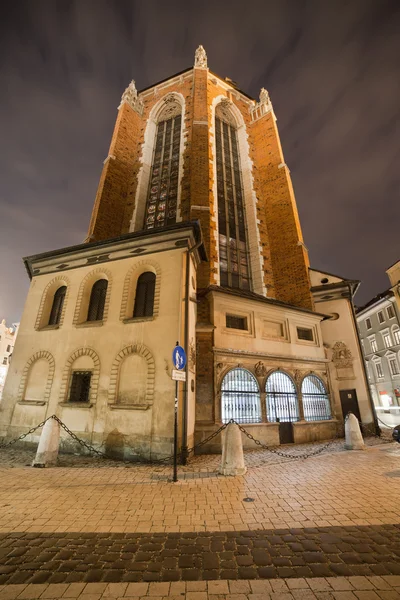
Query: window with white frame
[[390, 312], [374, 345], [394, 368], [396, 335], [378, 368], [368, 323], [386, 339], [381, 317]]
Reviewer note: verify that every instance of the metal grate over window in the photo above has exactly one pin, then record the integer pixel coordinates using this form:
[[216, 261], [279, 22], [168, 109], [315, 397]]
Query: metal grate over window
[[281, 398], [144, 299], [97, 300], [234, 322], [163, 190], [57, 306], [233, 251], [305, 334], [80, 386], [316, 404], [240, 397]]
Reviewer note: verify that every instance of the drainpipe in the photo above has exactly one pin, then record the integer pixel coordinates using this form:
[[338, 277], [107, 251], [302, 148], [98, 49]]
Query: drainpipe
[[363, 366], [186, 399]]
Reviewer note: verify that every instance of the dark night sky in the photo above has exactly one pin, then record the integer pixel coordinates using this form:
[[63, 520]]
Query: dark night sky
[[331, 67]]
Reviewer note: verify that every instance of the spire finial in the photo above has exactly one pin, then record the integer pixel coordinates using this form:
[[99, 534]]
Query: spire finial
[[200, 58], [130, 96]]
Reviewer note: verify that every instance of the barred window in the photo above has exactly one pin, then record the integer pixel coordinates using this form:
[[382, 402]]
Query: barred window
[[80, 386], [144, 299], [240, 397], [304, 333], [163, 188], [316, 404], [58, 303], [97, 300], [281, 398], [233, 250], [234, 322]]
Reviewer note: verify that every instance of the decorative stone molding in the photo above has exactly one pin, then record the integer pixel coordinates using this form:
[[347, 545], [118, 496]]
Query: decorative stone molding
[[130, 96], [171, 107], [192, 355], [223, 111], [262, 107], [55, 283], [260, 369], [35, 357], [90, 279], [129, 290], [200, 58], [142, 350], [94, 382], [342, 356]]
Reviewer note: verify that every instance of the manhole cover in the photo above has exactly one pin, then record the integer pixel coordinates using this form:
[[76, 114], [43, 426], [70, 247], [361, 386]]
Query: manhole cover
[[248, 499], [393, 474]]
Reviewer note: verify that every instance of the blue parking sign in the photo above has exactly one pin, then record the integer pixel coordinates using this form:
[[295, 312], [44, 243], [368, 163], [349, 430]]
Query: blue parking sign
[[179, 358]]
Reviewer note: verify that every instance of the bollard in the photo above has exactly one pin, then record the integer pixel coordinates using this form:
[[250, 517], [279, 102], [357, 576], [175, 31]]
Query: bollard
[[47, 451], [354, 438], [232, 462]]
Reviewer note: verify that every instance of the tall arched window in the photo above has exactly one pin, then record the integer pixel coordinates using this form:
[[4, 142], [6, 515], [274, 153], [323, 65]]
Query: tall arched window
[[240, 397], [144, 298], [316, 404], [57, 306], [163, 188], [97, 300], [233, 251], [281, 398]]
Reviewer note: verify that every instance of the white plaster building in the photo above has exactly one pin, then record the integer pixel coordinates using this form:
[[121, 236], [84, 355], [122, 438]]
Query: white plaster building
[[8, 336]]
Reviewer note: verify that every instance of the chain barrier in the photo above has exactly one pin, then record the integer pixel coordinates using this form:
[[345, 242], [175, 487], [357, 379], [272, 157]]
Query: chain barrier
[[165, 460]]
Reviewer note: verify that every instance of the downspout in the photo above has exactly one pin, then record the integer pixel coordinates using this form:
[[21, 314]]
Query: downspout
[[186, 399], [363, 366]]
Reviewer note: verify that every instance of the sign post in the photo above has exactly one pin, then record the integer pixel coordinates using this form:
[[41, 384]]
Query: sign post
[[179, 362]]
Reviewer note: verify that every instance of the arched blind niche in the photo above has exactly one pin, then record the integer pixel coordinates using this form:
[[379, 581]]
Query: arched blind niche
[[163, 189], [233, 250]]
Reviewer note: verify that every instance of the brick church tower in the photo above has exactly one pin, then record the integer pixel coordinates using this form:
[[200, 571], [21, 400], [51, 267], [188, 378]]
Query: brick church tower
[[195, 237]]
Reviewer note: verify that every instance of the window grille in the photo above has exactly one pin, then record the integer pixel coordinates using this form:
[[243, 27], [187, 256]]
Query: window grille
[[240, 397], [233, 251], [316, 404], [144, 299], [163, 188], [234, 322], [58, 303], [281, 398], [305, 334], [97, 300], [80, 386]]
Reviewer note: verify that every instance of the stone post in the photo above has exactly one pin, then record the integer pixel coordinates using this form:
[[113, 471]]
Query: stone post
[[47, 451], [301, 407], [354, 438], [263, 400], [232, 462]]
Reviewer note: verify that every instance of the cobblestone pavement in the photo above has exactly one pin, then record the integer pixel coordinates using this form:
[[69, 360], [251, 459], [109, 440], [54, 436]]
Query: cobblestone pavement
[[339, 588], [331, 518]]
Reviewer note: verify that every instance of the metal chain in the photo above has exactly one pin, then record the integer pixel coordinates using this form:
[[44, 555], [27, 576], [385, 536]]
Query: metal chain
[[285, 454], [75, 437], [210, 437], [24, 435]]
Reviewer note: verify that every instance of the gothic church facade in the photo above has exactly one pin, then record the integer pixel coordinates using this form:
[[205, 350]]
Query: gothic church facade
[[194, 237]]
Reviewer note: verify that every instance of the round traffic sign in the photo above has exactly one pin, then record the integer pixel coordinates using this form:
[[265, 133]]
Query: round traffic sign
[[179, 358]]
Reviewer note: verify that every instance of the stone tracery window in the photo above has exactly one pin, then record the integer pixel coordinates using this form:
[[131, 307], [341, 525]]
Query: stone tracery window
[[162, 196], [233, 250]]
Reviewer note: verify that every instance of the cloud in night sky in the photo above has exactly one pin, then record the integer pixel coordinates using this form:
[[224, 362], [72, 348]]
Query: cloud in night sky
[[332, 72]]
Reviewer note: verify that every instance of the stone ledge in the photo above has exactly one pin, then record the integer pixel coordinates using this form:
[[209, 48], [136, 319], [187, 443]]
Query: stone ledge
[[76, 404], [89, 324], [32, 402], [129, 406]]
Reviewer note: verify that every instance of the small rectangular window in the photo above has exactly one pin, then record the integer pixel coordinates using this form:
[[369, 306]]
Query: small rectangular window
[[305, 334], [9, 348], [390, 312], [381, 318], [393, 367], [379, 369], [368, 323], [5, 360], [234, 322], [80, 386]]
